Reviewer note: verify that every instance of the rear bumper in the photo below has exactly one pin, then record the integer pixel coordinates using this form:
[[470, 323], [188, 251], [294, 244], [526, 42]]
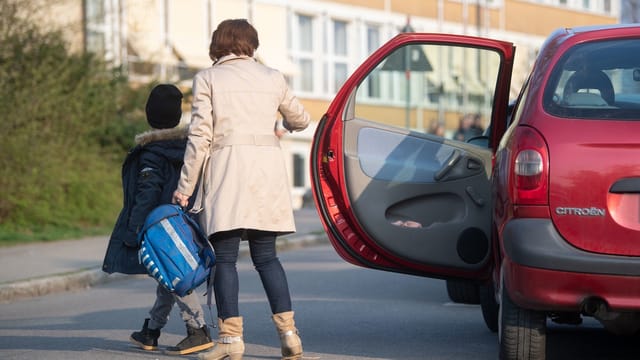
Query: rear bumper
[[551, 290], [544, 272]]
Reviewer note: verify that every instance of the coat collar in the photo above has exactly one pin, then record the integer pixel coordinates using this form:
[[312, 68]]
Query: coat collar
[[232, 57], [176, 133]]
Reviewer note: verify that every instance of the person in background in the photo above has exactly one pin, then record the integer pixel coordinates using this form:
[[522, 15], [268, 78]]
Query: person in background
[[470, 126], [149, 175], [436, 128], [236, 158], [477, 127]]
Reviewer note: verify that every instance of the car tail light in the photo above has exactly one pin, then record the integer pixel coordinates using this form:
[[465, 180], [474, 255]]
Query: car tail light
[[530, 168]]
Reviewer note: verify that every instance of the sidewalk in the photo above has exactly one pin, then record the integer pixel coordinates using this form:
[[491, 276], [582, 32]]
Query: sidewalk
[[43, 268]]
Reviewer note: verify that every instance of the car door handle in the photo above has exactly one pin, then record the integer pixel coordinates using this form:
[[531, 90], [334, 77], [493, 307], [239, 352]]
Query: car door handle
[[448, 165], [629, 185]]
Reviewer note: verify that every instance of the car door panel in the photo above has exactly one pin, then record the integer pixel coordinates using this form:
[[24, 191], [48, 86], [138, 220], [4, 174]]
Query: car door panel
[[396, 198], [399, 199]]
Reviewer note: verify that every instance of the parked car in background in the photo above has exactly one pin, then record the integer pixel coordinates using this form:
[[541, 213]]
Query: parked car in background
[[540, 214]]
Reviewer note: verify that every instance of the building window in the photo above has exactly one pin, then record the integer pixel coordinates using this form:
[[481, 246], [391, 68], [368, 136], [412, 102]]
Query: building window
[[339, 37], [340, 73], [102, 29], [373, 38], [95, 15], [373, 43], [298, 170], [305, 39], [338, 60], [322, 56], [306, 75], [303, 52]]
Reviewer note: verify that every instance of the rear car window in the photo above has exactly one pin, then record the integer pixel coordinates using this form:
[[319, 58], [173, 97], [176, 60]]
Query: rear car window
[[596, 80]]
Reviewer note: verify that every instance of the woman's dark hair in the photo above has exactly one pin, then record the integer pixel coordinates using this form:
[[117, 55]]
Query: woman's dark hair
[[233, 36]]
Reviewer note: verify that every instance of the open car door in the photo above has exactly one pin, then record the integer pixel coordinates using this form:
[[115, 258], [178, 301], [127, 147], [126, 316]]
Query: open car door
[[401, 161]]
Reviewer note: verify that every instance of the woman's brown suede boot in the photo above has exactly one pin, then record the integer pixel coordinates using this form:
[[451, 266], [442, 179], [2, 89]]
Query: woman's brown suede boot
[[290, 342], [229, 342]]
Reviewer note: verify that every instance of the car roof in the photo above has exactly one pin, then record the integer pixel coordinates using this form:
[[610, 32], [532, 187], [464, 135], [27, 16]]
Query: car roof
[[592, 28], [564, 34], [570, 36]]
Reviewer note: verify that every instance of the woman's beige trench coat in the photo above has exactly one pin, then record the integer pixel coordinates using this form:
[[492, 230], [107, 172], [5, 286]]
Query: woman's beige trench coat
[[233, 145]]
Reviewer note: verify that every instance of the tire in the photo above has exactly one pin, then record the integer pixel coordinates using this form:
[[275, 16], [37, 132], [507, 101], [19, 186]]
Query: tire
[[522, 331], [489, 305], [463, 292]]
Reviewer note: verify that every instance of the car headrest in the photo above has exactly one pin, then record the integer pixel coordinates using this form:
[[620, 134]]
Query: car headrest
[[590, 79]]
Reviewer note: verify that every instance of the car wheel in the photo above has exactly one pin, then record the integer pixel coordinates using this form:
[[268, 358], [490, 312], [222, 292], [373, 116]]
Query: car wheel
[[489, 306], [522, 331], [463, 292]]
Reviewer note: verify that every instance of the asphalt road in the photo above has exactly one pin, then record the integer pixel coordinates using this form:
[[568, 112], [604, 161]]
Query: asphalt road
[[343, 313]]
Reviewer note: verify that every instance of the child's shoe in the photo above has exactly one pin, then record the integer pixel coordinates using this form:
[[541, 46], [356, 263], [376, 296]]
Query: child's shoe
[[196, 340], [146, 339]]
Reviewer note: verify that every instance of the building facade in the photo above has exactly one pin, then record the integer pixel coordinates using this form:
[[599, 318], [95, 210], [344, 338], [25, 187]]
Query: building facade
[[315, 43]]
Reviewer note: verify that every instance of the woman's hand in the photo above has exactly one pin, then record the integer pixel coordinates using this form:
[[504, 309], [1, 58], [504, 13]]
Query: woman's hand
[[180, 199]]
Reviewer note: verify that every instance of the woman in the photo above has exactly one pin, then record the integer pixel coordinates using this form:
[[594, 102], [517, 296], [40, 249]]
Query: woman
[[234, 155]]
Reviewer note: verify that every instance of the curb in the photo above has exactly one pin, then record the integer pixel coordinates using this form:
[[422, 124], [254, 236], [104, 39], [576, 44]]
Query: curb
[[55, 283], [86, 278]]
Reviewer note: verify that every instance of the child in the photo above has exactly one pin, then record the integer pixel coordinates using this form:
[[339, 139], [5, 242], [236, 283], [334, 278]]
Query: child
[[149, 175]]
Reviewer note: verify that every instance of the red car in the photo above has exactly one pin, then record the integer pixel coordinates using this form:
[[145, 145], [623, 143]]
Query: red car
[[422, 166]]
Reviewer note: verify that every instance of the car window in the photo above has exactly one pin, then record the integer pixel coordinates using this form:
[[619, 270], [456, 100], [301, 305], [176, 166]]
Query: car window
[[443, 90], [596, 80]]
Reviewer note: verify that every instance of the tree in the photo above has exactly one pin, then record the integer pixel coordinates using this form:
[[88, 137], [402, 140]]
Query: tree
[[65, 118]]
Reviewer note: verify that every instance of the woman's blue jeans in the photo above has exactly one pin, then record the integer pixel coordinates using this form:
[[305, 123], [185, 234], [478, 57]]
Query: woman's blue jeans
[[262, 245]]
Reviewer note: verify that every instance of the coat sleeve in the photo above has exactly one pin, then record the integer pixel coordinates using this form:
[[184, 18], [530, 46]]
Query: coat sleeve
[[148, 192], [295, 117], [200, 134]]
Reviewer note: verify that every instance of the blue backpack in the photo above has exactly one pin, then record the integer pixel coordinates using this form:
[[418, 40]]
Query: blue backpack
[[174, 250]]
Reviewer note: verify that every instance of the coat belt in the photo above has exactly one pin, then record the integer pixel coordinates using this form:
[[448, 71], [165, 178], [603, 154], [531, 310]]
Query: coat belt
[[233, 139], [245, 139]]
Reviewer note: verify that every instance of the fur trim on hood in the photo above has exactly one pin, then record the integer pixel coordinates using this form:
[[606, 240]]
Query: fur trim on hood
[[153, 135]]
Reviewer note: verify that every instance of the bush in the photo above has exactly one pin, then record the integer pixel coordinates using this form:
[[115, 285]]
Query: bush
[[67, 122]]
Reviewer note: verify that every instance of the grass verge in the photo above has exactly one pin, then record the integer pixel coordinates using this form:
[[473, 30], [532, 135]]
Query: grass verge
[[10, 237]]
